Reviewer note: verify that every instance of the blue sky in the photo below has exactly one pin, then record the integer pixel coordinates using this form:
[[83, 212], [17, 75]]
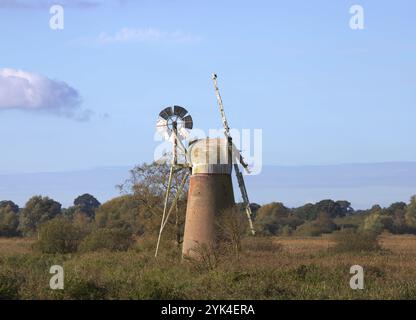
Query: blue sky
[[362, 184], [323, 94]]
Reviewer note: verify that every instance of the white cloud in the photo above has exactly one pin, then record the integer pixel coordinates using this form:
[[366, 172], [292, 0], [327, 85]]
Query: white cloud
[[32, 92], [133, 35]]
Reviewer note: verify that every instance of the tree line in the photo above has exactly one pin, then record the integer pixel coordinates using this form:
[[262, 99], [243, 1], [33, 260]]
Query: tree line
[[327, 216], [137, 212]]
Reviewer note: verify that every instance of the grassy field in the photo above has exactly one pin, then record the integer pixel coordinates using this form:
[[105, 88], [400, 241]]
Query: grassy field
[[268, 268]]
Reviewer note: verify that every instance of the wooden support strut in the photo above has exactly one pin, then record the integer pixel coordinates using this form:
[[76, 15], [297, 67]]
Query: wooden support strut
[[174, 166]]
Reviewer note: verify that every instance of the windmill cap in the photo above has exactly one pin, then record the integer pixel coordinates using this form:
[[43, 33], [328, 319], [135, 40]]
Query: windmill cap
[[210, 156]]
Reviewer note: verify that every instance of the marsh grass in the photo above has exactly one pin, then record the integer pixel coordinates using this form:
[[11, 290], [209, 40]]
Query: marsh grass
[[268, 268], [356, 242]]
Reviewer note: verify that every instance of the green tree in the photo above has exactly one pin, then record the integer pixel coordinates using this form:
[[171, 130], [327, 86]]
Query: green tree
[[59, 235], [148, 184], [379, 220], [274, 218], [69, 212], [376, 209], [410, 215], [325, 223], [396, 212], [114, 239], [38, 210], [322, 224], [308, 229], [86, 204], [395, 207], [272, 211], [345, 208], [82, 223], [254, 208], [10, 205], [306, 212], [9, 219], [374, 223], [333, 208], [120, 212]]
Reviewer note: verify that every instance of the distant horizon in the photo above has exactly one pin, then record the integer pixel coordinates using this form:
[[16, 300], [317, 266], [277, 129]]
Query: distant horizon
[[118, 166], [362, 184]]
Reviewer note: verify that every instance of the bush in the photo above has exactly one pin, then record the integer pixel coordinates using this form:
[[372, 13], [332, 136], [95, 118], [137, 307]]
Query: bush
[[37, 211], [9, 221], [410, 215], [308, 229], [231, 228], [323, 224], [59, 236], [9, 287], [120, 212], [84, 289], [276, 219], [262, 244], [373, 223], [111, 239], [352, 241]]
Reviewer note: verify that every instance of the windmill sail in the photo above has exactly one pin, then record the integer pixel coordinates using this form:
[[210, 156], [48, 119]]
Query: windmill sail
[[238, 173]]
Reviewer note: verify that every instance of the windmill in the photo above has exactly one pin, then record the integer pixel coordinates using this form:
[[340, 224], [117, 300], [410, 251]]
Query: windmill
[[210, 182]]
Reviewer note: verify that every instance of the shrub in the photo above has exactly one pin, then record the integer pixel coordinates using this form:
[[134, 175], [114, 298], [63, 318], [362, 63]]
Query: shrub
[[86, 204], [9, 221], [84, 289], [83, 223], [308, 229], [9, 287], [276, 219], [352, 241], [59, 236], [231, 228], [262, 244], [410, 215], [373, 223], [120, 212], [162, 284], [323, 224], [286, 230], [37, 211], [115, 239], [204, 257]]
